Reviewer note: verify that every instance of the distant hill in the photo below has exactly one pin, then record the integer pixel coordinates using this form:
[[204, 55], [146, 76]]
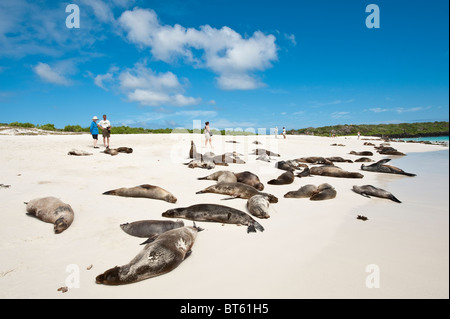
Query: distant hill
[[403, 130]]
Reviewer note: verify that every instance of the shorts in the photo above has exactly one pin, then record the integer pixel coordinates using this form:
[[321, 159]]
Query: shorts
[[95, 136], [207, 136], [106, 133]]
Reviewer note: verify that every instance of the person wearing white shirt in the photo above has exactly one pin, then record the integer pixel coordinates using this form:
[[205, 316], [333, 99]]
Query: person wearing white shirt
[[105, 126]]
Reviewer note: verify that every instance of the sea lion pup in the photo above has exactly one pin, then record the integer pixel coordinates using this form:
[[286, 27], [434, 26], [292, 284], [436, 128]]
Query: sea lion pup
[[123, 149], [198, 163], [306, 172], [150, 228], [264, 157], [305, 191], [236, 190], [381, 168], [249, 179], [193, 152], [369, 190], [227, 159], [52, 210], [289, 165], [215, 213], [363, 153], [323, 192], [261, 151], [221, 176], [111, 151], [78, 153], [284, 179], [334, 171], [315, 160], [389, 151], [144, 191], [339, 159], [258, 206], [369, 144], [364, 159], [161, 256]]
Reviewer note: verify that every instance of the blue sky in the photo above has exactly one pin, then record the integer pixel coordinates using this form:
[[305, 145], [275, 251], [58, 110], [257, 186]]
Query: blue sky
[[238, 64]]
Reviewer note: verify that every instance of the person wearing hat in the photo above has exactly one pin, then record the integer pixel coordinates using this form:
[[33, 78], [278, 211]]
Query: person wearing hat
[[105, 126], [94, 130]]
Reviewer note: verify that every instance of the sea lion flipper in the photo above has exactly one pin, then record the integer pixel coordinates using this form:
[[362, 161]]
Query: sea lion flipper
[[149, 240], [231, 197], [383, 161], [392, 197], [365, 195], [188, 253]]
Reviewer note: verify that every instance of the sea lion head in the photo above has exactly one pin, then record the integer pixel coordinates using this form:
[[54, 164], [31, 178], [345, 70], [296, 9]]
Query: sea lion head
[[109, 277], [271, 198], [172, 213], [259, 186], [60, 225], [170, 198], [290, 194]]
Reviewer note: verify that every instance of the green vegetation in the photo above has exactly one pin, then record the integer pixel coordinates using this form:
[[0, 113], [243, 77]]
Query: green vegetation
[[401, 130], [383, 130]]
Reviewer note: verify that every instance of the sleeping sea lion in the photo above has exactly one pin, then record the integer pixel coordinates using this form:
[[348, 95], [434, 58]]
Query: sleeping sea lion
[[324, 191], [284, 179], [215, 213], [334, 172], [52, 210], [150, 229], [221, 176], [144, 191], [363, 153], [305, 191], [163, 255], [237, 190], [258, 206], [381, 168], [249, 179], [369, 190]]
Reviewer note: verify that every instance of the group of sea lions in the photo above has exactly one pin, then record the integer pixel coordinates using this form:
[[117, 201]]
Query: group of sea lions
[[168, 242]]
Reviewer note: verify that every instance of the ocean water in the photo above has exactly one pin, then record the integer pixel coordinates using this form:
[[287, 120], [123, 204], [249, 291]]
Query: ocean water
[[428, 138]]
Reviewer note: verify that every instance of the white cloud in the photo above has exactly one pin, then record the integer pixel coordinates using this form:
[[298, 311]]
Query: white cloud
[[102, 11], [338, 115], [147, 87], [99, 79], [378, 110], [291, 38], [412, 109], [223, 51], [50, 75]]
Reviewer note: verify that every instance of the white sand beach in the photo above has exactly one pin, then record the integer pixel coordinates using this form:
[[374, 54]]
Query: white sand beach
[[308, 249]]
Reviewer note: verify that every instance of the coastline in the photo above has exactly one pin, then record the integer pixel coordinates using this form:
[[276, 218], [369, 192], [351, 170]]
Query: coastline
[[308, 250]]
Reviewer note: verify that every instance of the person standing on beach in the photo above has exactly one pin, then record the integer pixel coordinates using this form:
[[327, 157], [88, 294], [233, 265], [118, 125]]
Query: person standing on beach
[[275, 131], [284, 132], [94, 130], [359, 135], [208, 134], [105, 125]]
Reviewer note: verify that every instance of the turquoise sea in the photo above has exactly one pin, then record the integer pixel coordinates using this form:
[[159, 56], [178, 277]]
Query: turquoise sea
[[428, 138]]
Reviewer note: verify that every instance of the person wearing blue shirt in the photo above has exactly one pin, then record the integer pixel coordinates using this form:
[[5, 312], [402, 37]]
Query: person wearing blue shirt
[[94, 130]]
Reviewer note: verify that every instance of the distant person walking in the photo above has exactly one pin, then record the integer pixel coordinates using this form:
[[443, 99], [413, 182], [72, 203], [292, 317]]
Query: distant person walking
[[359, 135], [94, 130], [284, 132], [208, 135], [105, 126]]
